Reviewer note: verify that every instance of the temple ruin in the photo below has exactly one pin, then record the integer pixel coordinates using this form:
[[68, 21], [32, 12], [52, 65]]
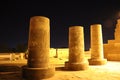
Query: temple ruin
[[38, 64], [112, 48]]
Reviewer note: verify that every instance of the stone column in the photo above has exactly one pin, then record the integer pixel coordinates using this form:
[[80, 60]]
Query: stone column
[[97, 56], [77, 60], [38, 66]]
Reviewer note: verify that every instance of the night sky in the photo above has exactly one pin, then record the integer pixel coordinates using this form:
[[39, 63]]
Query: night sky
[[15, 16]]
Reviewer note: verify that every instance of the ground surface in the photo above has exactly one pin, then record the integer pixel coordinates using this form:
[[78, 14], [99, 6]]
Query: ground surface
[[110, 71]]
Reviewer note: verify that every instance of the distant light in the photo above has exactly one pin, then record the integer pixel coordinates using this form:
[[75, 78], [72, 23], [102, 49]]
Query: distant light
[[119, 14]]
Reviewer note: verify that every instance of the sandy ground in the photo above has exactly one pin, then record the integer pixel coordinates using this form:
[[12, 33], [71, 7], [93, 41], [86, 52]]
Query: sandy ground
[[11, 70]]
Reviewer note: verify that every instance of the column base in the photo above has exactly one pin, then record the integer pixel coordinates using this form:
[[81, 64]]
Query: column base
[[37, 73], [97, 61], [76, 66]]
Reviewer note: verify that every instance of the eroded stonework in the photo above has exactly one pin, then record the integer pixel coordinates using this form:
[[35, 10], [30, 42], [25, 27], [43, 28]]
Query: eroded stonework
[[112, 48]]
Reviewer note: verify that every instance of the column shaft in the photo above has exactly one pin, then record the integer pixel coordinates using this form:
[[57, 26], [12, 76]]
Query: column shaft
[[97, 57], [96, 42], [77, 59], [38, 66], [76, 44], [39, 42]]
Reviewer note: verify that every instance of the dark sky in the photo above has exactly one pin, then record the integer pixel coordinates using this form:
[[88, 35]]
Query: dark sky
[[15, 16]]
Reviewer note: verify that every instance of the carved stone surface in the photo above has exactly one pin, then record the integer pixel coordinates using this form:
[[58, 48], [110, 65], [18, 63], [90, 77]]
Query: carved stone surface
[[38, 66], [97, 55], [77, 59]]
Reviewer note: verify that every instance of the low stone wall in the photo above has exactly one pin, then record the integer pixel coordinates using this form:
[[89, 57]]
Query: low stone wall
[[54, 53], [64, 53], [12, 56], [112, 52], [59, 52]]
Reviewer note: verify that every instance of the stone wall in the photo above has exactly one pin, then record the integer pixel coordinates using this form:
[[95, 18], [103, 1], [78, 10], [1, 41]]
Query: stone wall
[[12, 56], [112, 51], [112, 48], [54, 53], [59, 52]]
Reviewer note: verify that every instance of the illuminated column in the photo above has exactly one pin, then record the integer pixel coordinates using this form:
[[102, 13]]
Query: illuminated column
[[97, 57], [77, 59], [38, 66]]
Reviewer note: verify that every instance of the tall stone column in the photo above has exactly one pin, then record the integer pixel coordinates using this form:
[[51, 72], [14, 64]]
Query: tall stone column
[[77, 60], [38, 66], [97, 56]]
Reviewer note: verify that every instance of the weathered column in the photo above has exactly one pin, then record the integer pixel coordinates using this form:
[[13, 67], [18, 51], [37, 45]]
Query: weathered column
[[97, 57], [38, 66], [77, 60]]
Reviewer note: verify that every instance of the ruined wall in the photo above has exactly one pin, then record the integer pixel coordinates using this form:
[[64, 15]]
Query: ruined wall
[[112, 48]]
